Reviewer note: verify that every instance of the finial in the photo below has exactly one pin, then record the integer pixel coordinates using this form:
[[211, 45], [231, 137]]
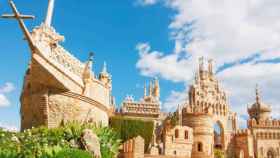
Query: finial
[[257, 94], [145, 90], [49, 15], [210, 66], [151, 88], [104, 70], [201, 63]]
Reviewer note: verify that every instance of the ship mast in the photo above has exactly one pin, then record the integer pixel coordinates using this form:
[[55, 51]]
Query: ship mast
[[48, 20]]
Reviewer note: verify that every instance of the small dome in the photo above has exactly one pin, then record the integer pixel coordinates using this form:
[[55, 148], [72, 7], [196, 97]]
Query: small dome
[[261, 107], [259, 110]]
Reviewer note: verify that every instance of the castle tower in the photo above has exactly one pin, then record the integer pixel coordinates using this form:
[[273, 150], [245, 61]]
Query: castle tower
[[259, 111], [202, 125], [205, 95]]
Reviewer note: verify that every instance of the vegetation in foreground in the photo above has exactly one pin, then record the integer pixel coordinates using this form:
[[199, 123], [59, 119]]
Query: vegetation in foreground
[[56, 143]]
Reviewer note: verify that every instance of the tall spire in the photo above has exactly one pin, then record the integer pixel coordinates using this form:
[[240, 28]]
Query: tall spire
[[210, 66], [104, 69], [145, 90], [49, 15], [201, 63], [156, 91], [151, 89], [257, 94]]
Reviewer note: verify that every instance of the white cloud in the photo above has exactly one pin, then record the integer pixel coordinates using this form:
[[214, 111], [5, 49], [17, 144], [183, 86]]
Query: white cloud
[[9, 127], [4, 101], [174, 100], [240, 82], [7, 88], [170, 67], [147, 2], [4, 90], [229, 32]]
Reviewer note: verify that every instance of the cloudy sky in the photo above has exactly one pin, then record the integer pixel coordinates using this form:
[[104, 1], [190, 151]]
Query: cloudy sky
[[141, 39]]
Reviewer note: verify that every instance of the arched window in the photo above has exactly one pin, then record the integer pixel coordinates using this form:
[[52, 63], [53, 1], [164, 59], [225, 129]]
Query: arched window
[[186, 134], [199, 147], [176, 133]]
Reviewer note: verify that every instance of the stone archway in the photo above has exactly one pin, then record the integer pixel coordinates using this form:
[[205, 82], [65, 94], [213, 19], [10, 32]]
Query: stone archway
[[271, 153], [219, 135]]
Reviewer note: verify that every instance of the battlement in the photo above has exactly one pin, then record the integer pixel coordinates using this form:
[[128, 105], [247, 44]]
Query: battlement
[[242, 132], [252, 123]]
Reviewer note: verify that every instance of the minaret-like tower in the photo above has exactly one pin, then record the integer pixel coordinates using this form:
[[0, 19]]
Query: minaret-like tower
[[151, 89], [156, 89], [145, 90]]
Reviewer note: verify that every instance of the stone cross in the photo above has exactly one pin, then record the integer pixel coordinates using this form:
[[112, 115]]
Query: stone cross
[[19, 17]]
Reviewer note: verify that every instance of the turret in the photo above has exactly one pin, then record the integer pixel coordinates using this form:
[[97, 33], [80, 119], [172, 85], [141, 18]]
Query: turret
[[259, 111], [145, 90], [151, 89], [156, 89], [201, 64], [87, 74], [210, 66], [104, 76]]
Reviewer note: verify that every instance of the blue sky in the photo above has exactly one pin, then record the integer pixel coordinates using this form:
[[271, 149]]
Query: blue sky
[[140, 39]]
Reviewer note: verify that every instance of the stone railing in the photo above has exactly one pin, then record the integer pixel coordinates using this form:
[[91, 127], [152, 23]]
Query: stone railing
[[69, 62], [47, 40], [268, 135], [264, 123], [141, 108]]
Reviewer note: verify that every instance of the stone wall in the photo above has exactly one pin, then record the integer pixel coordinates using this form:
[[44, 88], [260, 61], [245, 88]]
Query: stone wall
[[203, 135], [67, 108], [243, 145], [178, 141], [133, 148]]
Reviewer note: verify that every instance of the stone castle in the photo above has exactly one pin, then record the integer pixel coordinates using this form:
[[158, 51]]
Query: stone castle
[[60, 88]]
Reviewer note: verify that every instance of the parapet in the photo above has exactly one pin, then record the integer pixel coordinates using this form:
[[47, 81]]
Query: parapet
[[252, 123], [242, 132]]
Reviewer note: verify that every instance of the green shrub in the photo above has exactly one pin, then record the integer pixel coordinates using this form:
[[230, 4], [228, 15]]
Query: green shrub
[[53, 143], [129, 128]]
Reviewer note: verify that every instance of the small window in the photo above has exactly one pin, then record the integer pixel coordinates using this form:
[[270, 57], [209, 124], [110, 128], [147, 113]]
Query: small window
[[186, 135], [199, 147], [176, 133]]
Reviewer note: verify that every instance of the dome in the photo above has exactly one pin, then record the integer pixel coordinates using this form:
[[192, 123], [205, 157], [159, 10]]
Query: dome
[[259, 110]]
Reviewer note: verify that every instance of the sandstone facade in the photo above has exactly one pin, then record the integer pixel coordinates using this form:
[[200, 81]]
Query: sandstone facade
[[58, 87], [178, 141]]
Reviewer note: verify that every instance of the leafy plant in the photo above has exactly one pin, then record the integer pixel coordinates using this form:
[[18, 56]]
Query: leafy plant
[[55, 143]]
